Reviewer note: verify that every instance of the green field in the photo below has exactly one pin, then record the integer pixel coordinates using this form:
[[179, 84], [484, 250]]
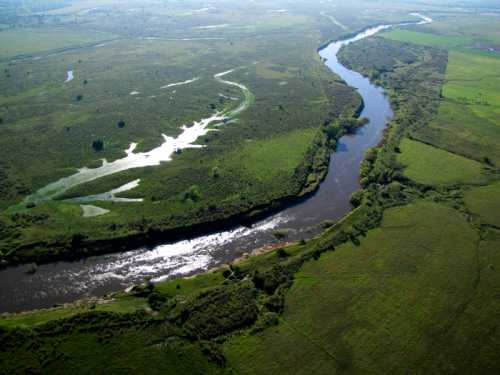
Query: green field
[[427, 38], [483, 201], [468, 118], [384, 306], [432, 166]]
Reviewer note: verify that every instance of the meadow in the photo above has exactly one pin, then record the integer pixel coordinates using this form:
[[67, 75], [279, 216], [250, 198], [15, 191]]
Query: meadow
[[432, 166], [384, 305]]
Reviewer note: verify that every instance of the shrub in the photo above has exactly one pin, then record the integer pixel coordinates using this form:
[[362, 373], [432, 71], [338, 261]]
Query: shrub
[[282, 253], [193, 194], [98, 145], [121, 124], [156, 301], [280, 233], [356, 198], [327, 224], [215, 172]]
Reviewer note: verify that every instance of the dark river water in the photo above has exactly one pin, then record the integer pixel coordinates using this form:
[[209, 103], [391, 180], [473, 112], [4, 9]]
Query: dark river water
[[63, 282]]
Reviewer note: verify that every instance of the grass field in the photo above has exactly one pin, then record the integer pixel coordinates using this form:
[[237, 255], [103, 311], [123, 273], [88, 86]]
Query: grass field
[[427, 38], [484, 201], [468, 120], [432, 166], [384, 306]]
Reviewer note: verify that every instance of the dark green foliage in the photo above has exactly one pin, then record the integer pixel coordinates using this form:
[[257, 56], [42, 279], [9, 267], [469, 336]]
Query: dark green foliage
[[356, 198], [156, 301], [98, 145], [280, 233], [215, 172], [281, 253], [217, 311], [121, 124], [193, 194]]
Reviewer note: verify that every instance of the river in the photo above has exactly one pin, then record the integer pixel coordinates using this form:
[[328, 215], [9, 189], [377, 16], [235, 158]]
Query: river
[[63, 282]]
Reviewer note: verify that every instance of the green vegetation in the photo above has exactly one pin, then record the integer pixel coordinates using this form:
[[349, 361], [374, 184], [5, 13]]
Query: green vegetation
[[408, 282], [468, 118], [272, 152], [381, 306], [483, 201], [432, 166], [30, 42], [427, 38]]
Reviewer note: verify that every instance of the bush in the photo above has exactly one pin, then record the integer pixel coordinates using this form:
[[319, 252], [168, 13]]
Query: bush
[[215, 172], [121, 124], [356, 198], [156, 301], [282, 253], [98, 145], [280, 233], [193, 194], [327, 224]]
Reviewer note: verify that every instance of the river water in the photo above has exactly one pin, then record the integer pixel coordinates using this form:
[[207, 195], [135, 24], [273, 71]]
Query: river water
[[62, 282]]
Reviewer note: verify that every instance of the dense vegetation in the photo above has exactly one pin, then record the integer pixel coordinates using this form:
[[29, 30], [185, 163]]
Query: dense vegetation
[[407, 283]]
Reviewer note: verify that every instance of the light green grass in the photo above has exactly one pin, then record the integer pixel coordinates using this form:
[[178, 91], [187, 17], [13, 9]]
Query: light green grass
[[429, 165], [427, 39], [268, 159], [474, 80], [468, 120], [386, 306], [485, 201]]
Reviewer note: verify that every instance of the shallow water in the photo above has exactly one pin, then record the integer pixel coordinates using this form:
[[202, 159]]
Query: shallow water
[[163, 153], [69, 76], [67, 281]]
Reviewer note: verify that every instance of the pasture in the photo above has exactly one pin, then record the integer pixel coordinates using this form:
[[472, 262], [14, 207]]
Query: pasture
[[432, 166]]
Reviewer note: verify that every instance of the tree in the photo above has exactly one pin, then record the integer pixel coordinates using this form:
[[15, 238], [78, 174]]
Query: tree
[[121, 124], [79, 97], [98, 145], [215, 172], [193, 194]]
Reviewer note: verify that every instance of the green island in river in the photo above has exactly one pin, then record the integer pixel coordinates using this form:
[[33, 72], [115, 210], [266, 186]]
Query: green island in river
[[408, 281]]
